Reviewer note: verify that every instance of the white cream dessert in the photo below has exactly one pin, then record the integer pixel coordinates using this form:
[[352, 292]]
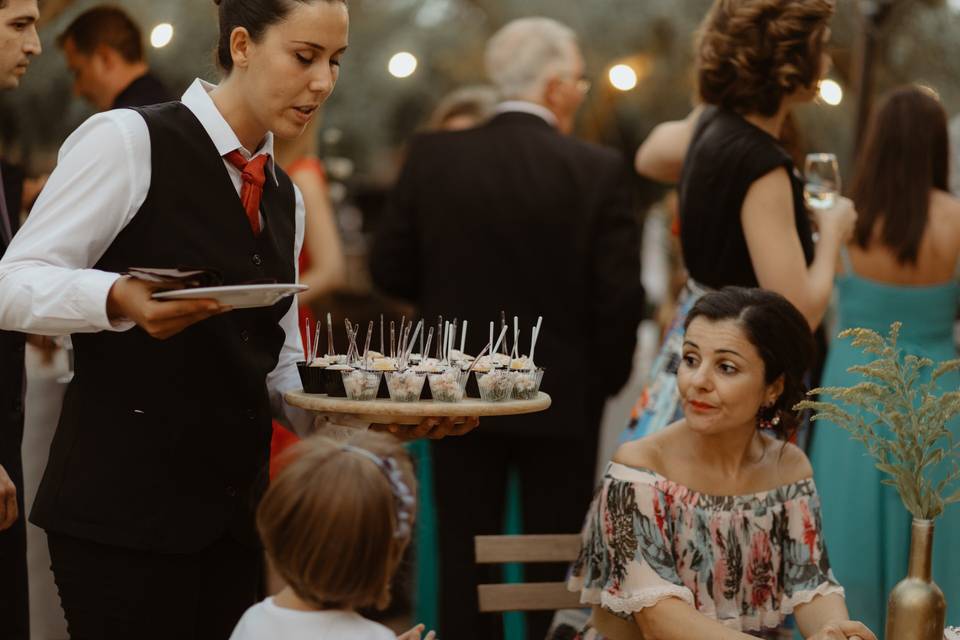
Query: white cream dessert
[[521, 364], [428, 368], [496, 386], [501, 359], [527, 384], [322, 361], [405, 386], [360, 384], [384, 364], [448, 386]]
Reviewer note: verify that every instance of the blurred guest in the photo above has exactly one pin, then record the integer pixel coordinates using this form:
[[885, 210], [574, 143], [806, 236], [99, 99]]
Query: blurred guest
[[742, 216], [18, 43], [321, 261], [516, 215], [901, 265], [463, 108], [104, 51], [709, 528]]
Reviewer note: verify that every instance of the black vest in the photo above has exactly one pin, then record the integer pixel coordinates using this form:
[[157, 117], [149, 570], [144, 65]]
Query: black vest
[[163, 444]]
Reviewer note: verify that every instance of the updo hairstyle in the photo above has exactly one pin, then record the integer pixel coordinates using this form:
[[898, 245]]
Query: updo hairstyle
[[751, 54]]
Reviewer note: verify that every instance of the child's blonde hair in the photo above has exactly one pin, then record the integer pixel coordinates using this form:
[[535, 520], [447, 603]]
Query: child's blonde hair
[[336, 519]]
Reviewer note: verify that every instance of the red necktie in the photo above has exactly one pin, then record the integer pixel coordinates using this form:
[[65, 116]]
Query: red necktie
[[252, 189]]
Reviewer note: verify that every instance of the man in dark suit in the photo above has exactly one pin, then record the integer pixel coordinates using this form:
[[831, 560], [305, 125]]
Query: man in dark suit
[[516, 215], [18, 43], [104, 50]]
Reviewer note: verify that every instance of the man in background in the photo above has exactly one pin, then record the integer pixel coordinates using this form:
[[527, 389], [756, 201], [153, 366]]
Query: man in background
[[18, 43], [515, 214], [104, 50]]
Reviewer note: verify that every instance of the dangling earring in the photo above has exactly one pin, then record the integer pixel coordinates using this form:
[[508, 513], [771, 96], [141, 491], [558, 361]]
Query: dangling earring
[[767, 423]]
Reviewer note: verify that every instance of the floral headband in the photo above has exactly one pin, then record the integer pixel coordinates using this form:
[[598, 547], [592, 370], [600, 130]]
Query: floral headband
[[401, 492]]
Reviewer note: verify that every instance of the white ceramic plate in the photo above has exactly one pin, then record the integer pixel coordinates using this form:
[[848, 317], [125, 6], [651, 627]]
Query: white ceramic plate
[[245, 296]]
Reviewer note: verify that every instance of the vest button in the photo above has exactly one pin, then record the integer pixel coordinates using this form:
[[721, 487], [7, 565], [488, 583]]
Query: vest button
[[251, 414], [245, 335], [231, 492], [257, 260]]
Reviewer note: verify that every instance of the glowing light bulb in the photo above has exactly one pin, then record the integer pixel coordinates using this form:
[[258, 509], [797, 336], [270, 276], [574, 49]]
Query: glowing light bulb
[[161, 35], [623, 77], [402, 65], [831, 92]]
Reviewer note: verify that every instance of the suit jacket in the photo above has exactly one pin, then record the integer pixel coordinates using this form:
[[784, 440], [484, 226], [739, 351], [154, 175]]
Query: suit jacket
[[514, 216], [144, 91], [14, 613]]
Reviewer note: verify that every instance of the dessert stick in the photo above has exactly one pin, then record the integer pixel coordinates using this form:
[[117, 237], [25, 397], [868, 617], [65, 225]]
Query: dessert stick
[[366, 345], [381, 334], [423, 354], [463, 338], [429, 340], [503, 323], [516, 337], [439, 333], [393, 339], [503, 333], [413, 341], [491, 333], [533, 341], [316, 342], [308, 351], [480, 355], [330, 348]]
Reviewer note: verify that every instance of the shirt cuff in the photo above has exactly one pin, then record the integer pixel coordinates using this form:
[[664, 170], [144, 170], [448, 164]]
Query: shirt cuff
[[91, 300]]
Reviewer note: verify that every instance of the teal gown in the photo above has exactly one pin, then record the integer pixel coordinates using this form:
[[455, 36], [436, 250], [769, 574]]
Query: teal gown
[[865, 525]]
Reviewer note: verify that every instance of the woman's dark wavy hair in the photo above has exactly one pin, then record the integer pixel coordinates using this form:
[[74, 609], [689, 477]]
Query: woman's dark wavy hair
[[905, 156], [751, 54], [781, 336], [253, 15]]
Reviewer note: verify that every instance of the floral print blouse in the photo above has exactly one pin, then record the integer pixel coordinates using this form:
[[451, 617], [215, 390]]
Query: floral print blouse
[[746, 561]]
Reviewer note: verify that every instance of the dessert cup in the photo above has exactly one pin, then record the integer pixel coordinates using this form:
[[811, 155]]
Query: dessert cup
[[361, 384], [405, 386], [311, 377], [496, 385], [449, 385], [527, 384]]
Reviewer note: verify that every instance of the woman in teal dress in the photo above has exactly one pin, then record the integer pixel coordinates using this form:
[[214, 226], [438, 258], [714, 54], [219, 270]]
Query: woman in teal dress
[[900, 266]]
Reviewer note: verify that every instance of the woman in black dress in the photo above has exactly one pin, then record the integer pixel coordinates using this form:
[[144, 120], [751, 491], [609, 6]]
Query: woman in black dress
[[742, 216]]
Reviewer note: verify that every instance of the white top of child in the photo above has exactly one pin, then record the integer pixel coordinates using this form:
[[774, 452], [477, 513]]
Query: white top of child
[[267, 621]]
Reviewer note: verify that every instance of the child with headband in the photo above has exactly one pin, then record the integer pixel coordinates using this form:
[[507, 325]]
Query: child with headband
[[335, 523]]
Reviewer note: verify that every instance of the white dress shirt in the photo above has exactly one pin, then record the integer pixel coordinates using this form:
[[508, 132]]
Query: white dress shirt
[[47, 285], [523, 106]]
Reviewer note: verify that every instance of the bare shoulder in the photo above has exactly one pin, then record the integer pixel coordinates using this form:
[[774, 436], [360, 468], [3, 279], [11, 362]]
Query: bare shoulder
[[647, 452], [792, 464]]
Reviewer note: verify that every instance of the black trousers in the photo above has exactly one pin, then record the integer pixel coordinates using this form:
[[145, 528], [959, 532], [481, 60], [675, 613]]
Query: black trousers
[[14, 610], [470, 481], [111, 593]]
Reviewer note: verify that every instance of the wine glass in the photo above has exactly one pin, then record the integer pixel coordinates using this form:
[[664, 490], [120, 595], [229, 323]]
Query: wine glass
[[822, 181]]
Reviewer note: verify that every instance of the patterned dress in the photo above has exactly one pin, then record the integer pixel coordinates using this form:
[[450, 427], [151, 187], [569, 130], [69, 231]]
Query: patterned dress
[[746, 561]]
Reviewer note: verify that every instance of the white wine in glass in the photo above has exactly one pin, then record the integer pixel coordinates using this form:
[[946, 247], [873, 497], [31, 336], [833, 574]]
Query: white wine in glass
[[822, 180]]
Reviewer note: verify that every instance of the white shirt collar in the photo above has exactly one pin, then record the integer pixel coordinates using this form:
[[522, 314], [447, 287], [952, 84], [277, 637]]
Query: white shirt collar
[[527, 107], [197, 99]]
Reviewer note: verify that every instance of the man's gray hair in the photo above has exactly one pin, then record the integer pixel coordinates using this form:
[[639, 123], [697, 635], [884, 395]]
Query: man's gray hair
[[524, 54]]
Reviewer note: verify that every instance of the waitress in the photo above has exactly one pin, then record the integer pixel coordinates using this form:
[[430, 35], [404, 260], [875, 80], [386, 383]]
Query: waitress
[[161, 450]]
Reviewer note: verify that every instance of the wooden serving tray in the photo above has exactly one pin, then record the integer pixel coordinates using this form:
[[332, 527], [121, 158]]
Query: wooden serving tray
[[390, 412]]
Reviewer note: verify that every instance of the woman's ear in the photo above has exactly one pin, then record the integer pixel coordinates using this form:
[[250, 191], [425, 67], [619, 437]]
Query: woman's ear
[[774, 390], [240, 44]]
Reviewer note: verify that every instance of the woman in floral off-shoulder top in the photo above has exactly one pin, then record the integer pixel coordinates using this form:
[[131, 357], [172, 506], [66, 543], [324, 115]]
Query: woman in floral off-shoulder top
[[710, 528]]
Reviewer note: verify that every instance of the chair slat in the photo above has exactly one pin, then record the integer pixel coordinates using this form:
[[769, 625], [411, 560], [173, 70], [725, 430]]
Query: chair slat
[[531, 596], [532, 548]]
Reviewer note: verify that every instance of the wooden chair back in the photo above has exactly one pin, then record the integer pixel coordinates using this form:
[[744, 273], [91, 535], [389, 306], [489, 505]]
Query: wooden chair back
[[529, 596]]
